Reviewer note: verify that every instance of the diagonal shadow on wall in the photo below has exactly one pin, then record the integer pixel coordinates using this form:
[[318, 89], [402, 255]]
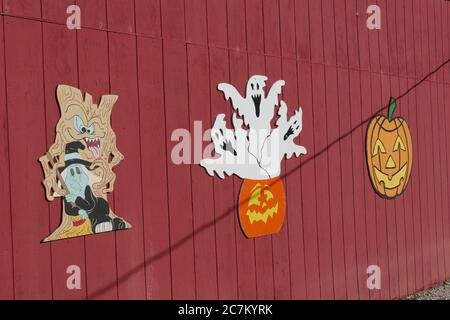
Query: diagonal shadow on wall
[[232, 209]]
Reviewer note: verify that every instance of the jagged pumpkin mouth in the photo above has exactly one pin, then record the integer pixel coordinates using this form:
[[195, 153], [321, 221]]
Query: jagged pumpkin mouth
[[394, 181]]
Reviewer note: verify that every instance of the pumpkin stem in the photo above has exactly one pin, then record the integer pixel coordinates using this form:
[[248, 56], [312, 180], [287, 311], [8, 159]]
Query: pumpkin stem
[[392, 107]]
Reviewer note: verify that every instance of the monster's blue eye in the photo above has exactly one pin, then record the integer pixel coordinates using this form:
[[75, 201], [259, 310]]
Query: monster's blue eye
[[78, 124]]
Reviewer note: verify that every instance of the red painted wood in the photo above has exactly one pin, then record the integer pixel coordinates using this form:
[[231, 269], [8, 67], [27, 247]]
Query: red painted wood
[[294, 191], [308, 185], [30, 219], [224, 199], [321, 161], [60, 67], [412, 101], [6, 245], [280, 244], [129, 202], [154, 176], [407, 274], [165, 62], [94, 78], [358, 150], [202, 184], [239, 73], [380, 205]]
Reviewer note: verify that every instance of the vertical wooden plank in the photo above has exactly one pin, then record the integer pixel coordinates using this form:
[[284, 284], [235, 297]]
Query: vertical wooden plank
[[426, 57], [357, 141], [6, 245], [415, 183], [255, 26], [445, 153], [447, 117], [438, 134], [179, 177], [334, 154], [236, 20], [302, 29], [294, 194], [256, 61], [60, 67], [24, 88], [287, 28], [280, 241], [308, 184], [148, 17], [202, 184], [24, 8], [271, 27], [223, 189], [93, 68], [365, 55], [304, 74], [126, 119], [320, 143], [380, 206], [346, 151], [408, 284], [420, 66], [245, 248], [385, 53], [293, 166], [154, 159], [394, 18]]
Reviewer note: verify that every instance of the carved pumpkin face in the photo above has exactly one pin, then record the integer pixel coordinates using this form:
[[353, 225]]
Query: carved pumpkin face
[[389, 154], [262, 207]]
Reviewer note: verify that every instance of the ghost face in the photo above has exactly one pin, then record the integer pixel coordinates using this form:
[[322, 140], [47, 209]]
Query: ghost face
[[76, 180], [255, 91]]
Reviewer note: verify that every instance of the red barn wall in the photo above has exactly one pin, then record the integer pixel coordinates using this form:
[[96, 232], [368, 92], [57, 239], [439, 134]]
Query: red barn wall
[[164, 59]]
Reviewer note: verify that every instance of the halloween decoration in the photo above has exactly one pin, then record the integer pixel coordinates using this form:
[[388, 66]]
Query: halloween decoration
[[253, 151], [267, 201], [389, 153], [78, 166]]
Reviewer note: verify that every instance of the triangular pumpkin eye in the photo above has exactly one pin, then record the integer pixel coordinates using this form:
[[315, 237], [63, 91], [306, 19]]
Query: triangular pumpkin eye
[[399, 144], [378, 148]]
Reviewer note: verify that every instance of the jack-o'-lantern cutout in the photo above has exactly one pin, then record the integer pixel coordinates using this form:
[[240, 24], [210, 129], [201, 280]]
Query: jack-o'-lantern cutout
[[253, 151], [389, 153], [262, 213]]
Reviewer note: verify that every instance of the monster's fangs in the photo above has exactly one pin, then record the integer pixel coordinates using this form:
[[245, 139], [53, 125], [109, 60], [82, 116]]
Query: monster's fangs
[[94, 146]]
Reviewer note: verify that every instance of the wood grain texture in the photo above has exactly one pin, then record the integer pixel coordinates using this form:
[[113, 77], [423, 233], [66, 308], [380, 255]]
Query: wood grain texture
[[164, 60]]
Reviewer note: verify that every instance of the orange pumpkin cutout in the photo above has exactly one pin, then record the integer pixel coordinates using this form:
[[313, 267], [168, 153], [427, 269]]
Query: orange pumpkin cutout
[[389, 153], [261, 207]]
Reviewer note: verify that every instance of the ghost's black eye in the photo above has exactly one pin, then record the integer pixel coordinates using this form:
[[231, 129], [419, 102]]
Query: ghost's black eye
[[72, 172], [257, 86], [78, 170], [253, 86]]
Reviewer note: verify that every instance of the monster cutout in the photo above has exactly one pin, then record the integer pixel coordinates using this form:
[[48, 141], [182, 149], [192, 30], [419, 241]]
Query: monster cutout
[[389, 153], [253, 150], [79, 166]]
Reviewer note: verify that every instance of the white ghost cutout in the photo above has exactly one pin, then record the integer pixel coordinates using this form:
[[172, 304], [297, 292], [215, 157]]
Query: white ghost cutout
[[255, 153]]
